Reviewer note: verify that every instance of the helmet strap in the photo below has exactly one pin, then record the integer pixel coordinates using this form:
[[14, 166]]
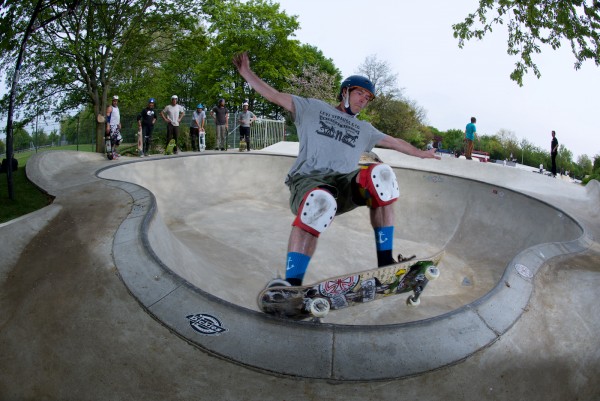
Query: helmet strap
[[347, 103]]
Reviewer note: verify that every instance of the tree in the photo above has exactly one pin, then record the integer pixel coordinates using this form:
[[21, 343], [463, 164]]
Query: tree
[[318, 77], [534, 23], [82, 58], [260, 28], [22, 138], [381, 75], [389, 112], [9, 42], [452, 139], [398, 118]]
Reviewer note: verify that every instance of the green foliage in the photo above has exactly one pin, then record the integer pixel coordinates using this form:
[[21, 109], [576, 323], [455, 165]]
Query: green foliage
[[533, 24], [260, 28], [452, 139], [21, 138], [318, 77], [399, 119], [595, 173], [83, 57]]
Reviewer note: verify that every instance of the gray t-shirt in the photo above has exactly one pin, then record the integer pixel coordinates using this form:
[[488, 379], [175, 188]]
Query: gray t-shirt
[[172, 113], [245, 117], [330, 141]]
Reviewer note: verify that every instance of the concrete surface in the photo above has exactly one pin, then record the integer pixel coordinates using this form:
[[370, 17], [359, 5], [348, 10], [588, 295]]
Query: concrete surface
[[69, 324]]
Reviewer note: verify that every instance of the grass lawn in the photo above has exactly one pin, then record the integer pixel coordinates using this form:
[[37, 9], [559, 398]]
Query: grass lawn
[[27, 197]]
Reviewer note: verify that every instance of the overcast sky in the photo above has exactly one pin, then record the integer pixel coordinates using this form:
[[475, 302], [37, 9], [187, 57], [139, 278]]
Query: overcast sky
[[451, 84]]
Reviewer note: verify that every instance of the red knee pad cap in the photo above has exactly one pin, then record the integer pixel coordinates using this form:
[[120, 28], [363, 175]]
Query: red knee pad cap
[[316, 212], [369, 180]]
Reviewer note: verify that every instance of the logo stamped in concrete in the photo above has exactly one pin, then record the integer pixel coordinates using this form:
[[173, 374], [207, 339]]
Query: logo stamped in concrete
[[523, 270], [206, 324]]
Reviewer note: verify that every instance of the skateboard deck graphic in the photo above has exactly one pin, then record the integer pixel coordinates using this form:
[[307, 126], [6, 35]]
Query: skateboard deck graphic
[[170, 147], [140, 141], [108, 147], [349, 290]]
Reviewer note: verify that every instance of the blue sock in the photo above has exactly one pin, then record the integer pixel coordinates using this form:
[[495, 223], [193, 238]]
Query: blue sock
[[384, 238], [384, 242], [296, 266]]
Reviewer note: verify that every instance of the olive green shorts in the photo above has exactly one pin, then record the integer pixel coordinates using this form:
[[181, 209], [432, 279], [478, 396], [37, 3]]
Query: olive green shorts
[[341, 186]]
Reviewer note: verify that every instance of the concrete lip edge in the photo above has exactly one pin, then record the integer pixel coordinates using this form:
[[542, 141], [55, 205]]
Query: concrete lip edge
[[331, 353]]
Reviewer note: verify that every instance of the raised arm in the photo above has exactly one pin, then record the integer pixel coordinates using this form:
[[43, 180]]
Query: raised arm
[[242, 63], [402, 146]]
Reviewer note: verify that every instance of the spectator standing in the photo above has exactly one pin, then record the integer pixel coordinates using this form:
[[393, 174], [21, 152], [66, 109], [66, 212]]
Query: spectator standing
[[221, 116], [553, 152], [113, 126], [245, 119], [172, 114], [470, 135], [197, 129], [146, 120]]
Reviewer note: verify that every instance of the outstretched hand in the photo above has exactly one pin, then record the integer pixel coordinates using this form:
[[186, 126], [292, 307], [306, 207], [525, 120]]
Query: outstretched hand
[[241, 61], [431, 154]]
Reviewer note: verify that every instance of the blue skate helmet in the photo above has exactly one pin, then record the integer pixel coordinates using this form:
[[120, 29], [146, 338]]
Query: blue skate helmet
[[199, 106], [354, 81], [151, 100]]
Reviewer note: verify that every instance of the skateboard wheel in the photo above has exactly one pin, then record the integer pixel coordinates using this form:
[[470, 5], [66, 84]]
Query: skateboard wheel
[[432, 273], [410, 301], [319, 307]]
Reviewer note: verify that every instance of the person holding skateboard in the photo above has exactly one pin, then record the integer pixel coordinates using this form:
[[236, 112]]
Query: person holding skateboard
[[197, 128], [146, 120], [325, 180], [113, 126], [172, 114]]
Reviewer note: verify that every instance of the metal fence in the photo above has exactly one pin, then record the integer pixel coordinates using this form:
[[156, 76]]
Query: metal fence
[[263, 133]]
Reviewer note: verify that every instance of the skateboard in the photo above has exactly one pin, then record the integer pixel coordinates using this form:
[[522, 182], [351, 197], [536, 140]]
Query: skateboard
[[202, 140], [108, 147], [316, 300], [242, 145], [170, 147], [140, 142]]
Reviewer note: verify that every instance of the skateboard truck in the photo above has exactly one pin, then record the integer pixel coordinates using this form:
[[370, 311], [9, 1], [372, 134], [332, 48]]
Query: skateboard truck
[[431, 273]]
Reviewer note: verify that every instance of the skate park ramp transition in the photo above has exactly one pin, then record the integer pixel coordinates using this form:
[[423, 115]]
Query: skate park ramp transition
[[217, 224]]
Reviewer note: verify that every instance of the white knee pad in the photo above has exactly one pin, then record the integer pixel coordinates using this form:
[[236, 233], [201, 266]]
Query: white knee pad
[[316, 212], [379, 180]]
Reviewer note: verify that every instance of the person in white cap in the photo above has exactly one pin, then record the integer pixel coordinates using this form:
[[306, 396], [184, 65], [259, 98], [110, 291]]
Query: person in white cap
[[113, 125], [245, 119], [172, 114]]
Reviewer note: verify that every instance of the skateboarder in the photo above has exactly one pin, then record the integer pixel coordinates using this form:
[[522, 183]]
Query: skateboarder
[[324, 181]]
